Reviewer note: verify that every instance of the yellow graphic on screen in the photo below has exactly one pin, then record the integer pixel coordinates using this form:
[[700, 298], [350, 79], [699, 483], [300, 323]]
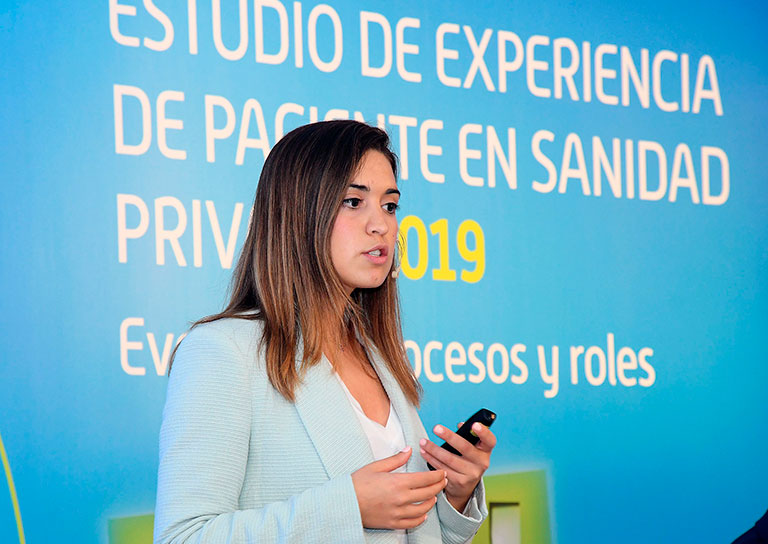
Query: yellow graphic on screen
[[518, 509], [131, 530], [12, 490]]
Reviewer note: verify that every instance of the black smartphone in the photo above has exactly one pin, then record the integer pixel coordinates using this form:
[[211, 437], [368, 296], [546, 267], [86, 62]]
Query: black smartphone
[[484, 416]]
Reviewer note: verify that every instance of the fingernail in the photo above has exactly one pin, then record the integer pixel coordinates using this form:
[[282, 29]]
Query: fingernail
[[477, 427], [438, 429], [423, 442], [405, 449], [422, 451]]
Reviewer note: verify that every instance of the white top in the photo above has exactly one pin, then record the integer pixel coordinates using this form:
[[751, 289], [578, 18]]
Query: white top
[[385, 441]]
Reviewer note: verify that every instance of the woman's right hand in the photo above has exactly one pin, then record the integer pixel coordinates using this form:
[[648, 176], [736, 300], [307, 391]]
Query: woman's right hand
[[397, 500]]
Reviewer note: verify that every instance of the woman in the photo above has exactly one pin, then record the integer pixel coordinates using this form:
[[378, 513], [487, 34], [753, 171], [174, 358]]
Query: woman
[[290, 416]]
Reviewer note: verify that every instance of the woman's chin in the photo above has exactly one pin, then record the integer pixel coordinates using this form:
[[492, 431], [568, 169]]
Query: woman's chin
[[372, 282]]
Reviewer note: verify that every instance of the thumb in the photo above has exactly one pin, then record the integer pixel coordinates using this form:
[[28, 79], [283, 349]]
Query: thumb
[[388, 464]]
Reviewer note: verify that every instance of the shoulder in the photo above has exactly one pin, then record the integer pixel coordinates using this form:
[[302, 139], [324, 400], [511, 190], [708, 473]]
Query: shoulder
[[224, 345], [231, 334]]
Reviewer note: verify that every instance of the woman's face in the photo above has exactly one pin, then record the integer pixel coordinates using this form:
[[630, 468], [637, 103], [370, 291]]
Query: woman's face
[[365, 229]]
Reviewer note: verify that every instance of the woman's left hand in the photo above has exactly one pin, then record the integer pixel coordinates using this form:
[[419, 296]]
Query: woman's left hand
[[465, 471]]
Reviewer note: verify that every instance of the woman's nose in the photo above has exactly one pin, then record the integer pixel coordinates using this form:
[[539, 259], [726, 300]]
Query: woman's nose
[[377, 222]]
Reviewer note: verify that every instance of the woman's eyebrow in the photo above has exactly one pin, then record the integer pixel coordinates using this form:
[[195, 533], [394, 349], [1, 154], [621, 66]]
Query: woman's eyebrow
[[391, 191]]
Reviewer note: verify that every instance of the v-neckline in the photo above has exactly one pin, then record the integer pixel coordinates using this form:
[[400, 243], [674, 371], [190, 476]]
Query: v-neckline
[[357, 402]]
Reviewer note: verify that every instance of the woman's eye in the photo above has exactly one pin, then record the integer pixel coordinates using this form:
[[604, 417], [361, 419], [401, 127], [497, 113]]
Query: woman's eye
[[391, 207], [351, 202]]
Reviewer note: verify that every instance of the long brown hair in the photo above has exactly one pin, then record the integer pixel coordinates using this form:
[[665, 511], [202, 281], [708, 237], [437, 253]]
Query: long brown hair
[[284, 276]]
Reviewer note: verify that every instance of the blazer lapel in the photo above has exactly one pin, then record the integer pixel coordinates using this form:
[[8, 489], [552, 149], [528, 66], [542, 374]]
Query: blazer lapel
[[429, 531], [405, 412], [331, 422], [341, 443]]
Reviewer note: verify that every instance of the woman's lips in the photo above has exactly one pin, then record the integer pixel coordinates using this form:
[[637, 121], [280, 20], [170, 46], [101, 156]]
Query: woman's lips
[[381, 258]]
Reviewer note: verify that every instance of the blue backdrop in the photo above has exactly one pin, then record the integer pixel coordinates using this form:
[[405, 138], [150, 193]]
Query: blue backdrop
[[584, 207]]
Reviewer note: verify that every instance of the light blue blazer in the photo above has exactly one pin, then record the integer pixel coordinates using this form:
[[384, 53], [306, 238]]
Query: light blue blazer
[[240, 464]]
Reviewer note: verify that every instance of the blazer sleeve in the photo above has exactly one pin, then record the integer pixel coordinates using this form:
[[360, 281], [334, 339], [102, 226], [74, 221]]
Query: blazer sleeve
[[459, 528], [204, 443]]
